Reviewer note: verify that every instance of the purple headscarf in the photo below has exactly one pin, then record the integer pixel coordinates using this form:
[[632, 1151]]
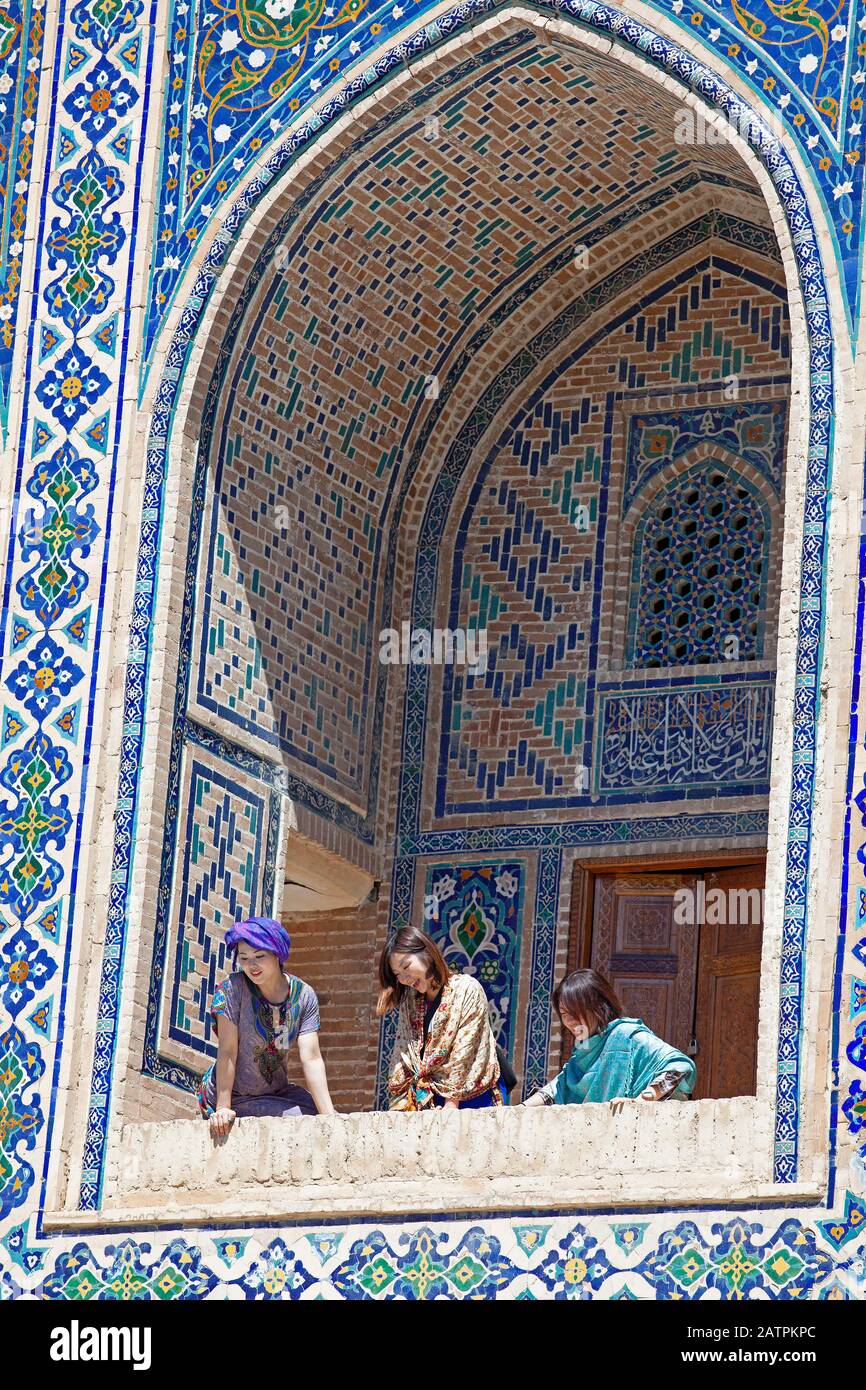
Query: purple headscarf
[[264, 933]]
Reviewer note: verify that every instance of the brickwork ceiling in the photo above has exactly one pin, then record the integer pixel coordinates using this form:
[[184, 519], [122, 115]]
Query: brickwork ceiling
[[472, 200]]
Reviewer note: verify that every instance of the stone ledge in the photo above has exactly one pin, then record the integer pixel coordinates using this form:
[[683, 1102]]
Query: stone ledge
[[675, 1154]]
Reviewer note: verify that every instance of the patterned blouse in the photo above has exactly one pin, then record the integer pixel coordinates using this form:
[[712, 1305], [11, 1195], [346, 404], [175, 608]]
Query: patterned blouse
[[263, 1045]]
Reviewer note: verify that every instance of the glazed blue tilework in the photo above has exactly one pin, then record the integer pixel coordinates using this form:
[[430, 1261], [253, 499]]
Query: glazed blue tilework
[[126, 36], [541, 975], [290, 694], [712, 89], [699, 577], [221, 878], [537, 1255], [476, 915], [70, 378], [687, 830], [808, 76], [599, 830], [23, 34], [225, 871], [520, 569], [750, 430], [714, 736], [495, 891], [292, 546], [808, 637]]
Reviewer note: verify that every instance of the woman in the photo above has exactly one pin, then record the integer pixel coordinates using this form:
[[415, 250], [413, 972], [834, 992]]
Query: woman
[[614, 1058], [445, 1051], [257, 1013]]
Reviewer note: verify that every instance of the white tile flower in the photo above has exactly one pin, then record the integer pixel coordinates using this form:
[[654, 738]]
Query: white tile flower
[[444, 887], [507, 883]]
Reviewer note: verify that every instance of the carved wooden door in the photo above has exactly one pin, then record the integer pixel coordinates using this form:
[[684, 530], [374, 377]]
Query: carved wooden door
[[729, 973], [648, 956]]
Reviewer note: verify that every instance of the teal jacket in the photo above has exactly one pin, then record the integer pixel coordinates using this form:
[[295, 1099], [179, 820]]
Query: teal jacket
[[621, 1060]]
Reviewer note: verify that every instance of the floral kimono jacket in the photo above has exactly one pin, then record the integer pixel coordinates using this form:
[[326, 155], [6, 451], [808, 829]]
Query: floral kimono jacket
[[458, 1060]]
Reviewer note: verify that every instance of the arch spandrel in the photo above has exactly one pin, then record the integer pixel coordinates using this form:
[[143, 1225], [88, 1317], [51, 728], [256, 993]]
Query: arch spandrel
[[814, 97]]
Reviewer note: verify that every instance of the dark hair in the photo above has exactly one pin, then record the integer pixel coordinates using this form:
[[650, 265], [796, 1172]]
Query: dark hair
[[408, 941], [588, 997]]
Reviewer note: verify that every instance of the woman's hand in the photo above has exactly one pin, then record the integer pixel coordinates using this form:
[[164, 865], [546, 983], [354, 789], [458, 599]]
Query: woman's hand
[[451, 1105], [221, 1122], [618, 1104]]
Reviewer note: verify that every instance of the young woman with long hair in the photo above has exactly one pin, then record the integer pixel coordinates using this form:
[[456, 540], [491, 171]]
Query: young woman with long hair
[[614, 1058], [445, 1051], [258, 1012]]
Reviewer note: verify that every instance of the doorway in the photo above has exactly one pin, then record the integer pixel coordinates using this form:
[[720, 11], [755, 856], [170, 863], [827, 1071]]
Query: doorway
[[680, 941]]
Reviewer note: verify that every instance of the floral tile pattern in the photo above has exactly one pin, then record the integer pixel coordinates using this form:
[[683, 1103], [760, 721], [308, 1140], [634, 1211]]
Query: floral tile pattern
[[89, 224]]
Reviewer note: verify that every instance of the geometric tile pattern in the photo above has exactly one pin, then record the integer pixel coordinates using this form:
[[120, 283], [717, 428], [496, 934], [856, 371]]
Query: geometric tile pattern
[[480, 909], [699, 572], [378, 280], [76, 374], [219, 885], [546, 1256], [476, 916], [65, 475], [806, 698], [754, 431], [22, 33], [535, 560], [227, 828]]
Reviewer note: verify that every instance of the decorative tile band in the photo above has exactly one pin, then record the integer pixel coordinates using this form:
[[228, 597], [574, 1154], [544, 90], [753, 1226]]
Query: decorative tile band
[[782, 1256], [700, 735]]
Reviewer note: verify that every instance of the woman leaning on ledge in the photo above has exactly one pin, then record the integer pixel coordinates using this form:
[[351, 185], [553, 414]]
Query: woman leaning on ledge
[[445, 1051], [614, 1058], [258, 1012]]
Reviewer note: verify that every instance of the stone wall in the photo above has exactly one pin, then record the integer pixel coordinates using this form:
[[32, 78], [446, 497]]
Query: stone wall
[[337, 953], [513, 1159]]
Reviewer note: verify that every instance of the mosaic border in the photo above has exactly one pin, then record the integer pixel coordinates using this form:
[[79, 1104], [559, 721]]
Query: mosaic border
[[706, 84], [547, 1255]]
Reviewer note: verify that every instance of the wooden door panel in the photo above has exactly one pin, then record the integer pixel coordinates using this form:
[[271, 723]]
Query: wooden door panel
[[728, 988], [644, 924], [733, 1058], [681, 978], [652, 1000], [745, 934], [649, 958]]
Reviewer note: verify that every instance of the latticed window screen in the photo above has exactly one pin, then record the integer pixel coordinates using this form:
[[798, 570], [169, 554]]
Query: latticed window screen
[[698, 574]]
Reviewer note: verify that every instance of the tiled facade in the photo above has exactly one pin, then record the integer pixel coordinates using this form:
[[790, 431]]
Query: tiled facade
[[426, 347], [544, 586]]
